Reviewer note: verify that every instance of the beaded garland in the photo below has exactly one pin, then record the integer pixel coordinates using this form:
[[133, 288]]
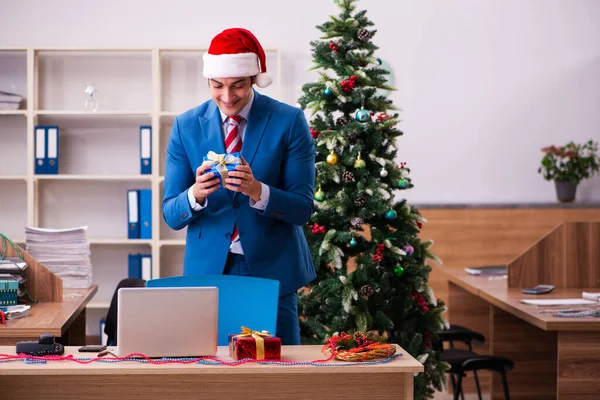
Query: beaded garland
[[209, 360]]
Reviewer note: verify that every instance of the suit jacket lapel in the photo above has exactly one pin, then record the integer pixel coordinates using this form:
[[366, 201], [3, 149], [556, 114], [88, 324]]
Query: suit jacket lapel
[[257, 122], [210, 123]]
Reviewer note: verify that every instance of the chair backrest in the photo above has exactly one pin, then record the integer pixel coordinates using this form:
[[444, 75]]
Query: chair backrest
[[111, 316], [243, 301]]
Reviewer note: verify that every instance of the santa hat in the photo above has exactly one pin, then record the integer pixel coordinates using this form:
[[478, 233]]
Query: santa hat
[[236, 53]]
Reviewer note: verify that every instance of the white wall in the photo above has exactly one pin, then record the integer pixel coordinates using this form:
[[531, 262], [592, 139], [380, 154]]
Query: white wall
[[483, 85]]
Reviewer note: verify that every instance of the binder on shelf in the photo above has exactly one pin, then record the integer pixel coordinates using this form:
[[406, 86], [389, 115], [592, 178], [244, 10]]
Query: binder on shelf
[[146, 149], [145, 217], [40, 150], [133, 205], [146, 266], [52, 152], [140, 266], [134, 266]]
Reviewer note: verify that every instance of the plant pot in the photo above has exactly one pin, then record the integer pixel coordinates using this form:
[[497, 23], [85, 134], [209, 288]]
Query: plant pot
[[565, 191]]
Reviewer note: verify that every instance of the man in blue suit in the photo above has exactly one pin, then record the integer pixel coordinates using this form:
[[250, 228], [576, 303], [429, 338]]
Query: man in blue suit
[[252, 226]]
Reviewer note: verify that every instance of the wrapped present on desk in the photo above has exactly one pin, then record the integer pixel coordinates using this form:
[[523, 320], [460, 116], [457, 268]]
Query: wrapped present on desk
[[254, 345], [222, 164]]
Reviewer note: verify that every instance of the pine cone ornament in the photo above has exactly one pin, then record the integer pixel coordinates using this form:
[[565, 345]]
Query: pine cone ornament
[[353, 137], [360, 201], [357, 222], [367, 290], [348, 177], [358, 335], [363, 34], [341, 121]]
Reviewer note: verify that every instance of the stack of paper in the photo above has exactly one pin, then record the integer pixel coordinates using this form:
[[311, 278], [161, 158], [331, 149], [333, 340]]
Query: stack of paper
[[10, 101], [591, 296], [558, 302], [488, 270], [16, 312], [65, 252]]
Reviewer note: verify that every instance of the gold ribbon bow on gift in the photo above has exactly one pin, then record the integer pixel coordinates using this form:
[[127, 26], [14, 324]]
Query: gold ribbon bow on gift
[[258, 337], [221, 161]]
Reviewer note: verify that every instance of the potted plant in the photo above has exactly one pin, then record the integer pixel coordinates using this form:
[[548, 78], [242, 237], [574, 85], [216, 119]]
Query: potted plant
[[568, 165]]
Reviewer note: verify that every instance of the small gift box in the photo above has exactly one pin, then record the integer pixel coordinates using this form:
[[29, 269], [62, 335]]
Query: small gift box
[[222, 164], [254, 345]]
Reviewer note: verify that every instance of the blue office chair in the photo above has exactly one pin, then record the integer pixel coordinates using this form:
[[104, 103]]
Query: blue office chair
[[243, 301]]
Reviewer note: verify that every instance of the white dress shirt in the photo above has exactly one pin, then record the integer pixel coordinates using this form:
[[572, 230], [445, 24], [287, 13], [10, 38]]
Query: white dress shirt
[[261, 204]]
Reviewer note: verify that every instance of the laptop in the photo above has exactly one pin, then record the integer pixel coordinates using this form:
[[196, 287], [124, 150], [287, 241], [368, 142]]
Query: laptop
[[167, 322]]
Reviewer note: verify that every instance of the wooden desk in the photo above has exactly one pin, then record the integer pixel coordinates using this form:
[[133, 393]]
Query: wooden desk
[[130, 380], [475, 234], [65, 320], [554, 357]]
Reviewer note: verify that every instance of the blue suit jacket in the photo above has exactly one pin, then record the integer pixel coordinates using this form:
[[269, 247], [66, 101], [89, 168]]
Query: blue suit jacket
[[280, 151]]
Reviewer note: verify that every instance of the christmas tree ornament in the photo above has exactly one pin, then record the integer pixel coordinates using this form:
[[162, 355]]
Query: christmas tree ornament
[[348, 177], [367, 290], [332, 158], [362, 116], [353, 242], [363, 34], [383, 172], [378, 256], [359, 163], [391, 214], [382, 117], [409, 249], [320, 195], [334, 47], [402, 183], [327, 92], [353, 137], [348, 84], [399, 271], [341, 121], [316, 228], [314, 133], [357, 222], [360, 201]]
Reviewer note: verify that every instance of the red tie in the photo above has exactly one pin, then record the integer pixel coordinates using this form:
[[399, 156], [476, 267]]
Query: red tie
[[233, 143]]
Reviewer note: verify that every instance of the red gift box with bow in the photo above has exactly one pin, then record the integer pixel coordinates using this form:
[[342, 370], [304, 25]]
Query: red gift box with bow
[[254, 345]]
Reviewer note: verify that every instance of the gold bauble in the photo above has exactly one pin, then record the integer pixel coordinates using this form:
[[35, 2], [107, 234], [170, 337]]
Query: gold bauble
[[332, 159], [359, 163]]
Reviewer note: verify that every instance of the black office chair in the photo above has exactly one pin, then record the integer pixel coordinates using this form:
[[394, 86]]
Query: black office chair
[[462, 361], [111, 317]]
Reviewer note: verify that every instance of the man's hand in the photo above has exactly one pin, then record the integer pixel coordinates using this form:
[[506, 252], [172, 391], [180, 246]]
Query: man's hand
[[243, 176], [205, 183]]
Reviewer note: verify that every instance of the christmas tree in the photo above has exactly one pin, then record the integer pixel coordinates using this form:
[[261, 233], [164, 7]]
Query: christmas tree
[[372, 266]]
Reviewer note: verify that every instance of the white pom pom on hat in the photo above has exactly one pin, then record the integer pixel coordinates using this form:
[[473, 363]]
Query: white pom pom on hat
[[236, 53]]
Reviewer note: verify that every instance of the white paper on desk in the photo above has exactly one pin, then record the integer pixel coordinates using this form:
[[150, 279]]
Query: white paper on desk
[[591, 296], [558, 302]]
